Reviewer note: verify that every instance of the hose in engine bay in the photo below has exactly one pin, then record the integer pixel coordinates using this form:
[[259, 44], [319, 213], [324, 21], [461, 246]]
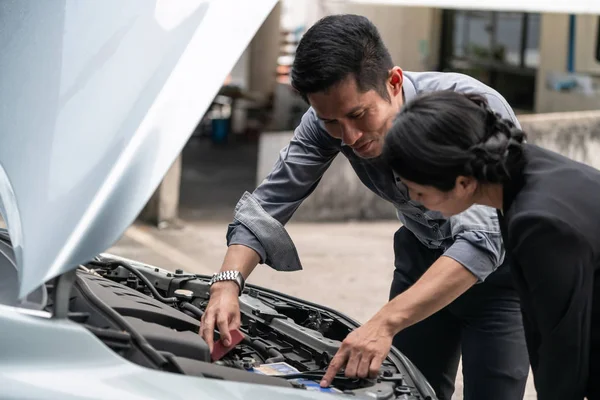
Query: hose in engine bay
[[139, 275], [192, 309]]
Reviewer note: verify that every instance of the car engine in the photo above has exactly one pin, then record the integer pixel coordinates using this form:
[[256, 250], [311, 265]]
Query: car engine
[[151, 317]]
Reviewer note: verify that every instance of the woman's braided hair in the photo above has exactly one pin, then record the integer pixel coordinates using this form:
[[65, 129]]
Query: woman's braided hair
[[439, 136], [500, 146]]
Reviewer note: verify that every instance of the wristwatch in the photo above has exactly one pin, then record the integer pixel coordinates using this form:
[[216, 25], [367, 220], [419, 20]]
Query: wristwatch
[[235, 276]]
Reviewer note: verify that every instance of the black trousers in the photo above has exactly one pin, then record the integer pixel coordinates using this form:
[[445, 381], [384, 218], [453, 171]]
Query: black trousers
[[484, 324]]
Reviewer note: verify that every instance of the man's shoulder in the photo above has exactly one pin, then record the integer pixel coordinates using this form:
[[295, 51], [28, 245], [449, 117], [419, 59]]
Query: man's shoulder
[[310, 120], [431, 81]]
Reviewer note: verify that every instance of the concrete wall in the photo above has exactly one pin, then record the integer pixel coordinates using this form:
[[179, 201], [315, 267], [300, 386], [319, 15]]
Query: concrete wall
[[554, 44], [162, 210], [573, 134], [264, 51], [341, 196], [301, 13], [240, 73], [411, 34]]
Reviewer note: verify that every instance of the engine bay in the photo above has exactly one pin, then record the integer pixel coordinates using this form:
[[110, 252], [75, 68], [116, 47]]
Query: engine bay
[[151, 316]]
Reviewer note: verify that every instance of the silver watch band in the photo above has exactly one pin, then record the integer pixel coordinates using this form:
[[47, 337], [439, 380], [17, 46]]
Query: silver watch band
[[235, 276]]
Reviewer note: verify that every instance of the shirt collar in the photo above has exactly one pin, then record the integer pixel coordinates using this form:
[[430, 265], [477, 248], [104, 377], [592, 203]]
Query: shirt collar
[[409, 90]]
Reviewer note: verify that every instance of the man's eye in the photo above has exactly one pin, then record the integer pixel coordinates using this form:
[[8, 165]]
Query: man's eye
[[357, 116]]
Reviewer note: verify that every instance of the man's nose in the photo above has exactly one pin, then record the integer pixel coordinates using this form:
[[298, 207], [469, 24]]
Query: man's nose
[[350, 135]]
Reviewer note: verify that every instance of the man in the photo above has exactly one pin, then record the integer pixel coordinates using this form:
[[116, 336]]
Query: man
[[449, 292]]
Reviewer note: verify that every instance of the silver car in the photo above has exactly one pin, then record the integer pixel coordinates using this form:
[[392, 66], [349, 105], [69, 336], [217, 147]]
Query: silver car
[[97, 100]]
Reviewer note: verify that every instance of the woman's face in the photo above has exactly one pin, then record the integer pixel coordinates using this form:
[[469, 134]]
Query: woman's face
[[449, 203]]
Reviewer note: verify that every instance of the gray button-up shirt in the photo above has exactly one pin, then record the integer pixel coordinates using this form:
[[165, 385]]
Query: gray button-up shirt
[[472, 238]]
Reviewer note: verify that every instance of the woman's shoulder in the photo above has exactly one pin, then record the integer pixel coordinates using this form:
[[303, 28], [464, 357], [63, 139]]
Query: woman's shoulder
[[554, 184], [539, 234], [524, 220], [558, 195]]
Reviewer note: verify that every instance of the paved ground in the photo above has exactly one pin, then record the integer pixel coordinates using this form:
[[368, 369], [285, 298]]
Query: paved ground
[[347, 266]]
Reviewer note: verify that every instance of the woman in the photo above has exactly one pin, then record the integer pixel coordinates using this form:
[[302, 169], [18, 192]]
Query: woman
[[452, 151]]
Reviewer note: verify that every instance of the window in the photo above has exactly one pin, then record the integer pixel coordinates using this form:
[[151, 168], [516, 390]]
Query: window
[[499, 48]]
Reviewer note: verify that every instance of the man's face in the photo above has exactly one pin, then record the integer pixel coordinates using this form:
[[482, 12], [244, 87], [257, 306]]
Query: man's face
[[360, 120]]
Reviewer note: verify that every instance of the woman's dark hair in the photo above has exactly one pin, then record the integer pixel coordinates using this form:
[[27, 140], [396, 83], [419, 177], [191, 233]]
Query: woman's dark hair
[[439, 136], [338, 46]]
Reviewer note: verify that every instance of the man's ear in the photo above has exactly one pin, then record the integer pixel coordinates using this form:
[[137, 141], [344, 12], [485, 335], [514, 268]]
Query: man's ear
[[395, 80]]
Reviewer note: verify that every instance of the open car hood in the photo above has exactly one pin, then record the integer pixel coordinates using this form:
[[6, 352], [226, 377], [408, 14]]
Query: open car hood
[[97, 99]]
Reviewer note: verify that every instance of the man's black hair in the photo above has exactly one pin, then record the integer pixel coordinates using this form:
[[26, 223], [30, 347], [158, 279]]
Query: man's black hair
[[337, 47]]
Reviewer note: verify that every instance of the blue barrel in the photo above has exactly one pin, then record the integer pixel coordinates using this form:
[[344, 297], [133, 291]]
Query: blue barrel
[[220, 130]]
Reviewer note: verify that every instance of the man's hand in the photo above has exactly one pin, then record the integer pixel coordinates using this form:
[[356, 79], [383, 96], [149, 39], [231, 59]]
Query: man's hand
[[362, 352], [223, 311]]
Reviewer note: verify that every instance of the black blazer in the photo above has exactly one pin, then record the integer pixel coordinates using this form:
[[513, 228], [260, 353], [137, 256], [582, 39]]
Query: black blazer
[[552, 210], [551, 231]]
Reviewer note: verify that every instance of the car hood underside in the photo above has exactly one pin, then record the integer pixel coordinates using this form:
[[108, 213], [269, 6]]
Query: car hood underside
[[98, 99]]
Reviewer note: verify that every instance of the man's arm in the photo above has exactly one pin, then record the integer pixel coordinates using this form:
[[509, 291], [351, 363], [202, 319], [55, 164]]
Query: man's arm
[[364, 349], [478, 244], [476, 252], [257, 235], [260, 216], [439, 286]]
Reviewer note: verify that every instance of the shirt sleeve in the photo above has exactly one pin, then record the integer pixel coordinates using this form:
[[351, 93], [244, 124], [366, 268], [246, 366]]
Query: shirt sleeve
[[555, 270], [259, 217], [501, 106], [478, 244]]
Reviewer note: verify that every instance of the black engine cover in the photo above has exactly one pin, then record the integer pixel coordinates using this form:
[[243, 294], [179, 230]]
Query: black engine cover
[[164, 327], [183, 344], [131, 303]]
